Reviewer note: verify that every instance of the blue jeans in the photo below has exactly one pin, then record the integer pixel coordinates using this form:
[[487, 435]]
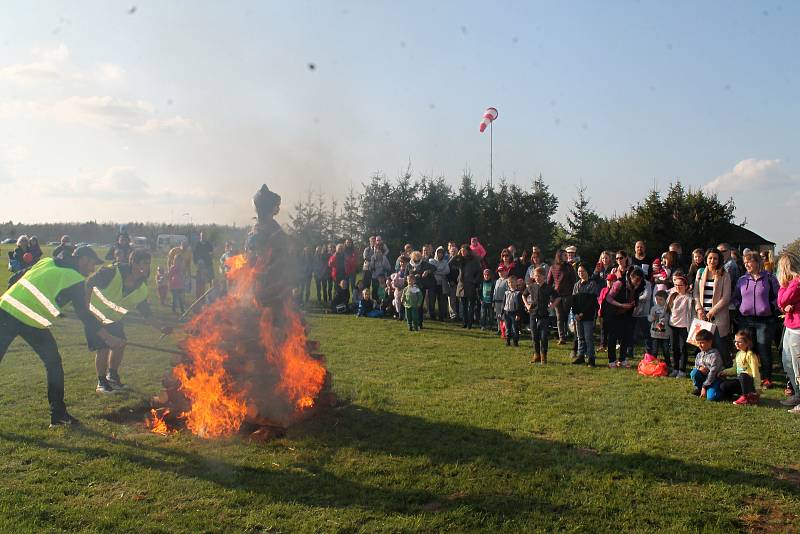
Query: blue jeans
[[585, 332], [539, 326], [512, 327], [791, 356], [764, 330], [713, 392]]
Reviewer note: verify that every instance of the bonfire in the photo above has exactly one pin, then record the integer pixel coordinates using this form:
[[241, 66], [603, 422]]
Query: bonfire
[[247, 359]]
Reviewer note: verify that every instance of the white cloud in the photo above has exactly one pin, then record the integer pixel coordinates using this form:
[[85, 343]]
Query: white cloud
[[123, 183], [11, 158], [103, 112], [175, 124], [53, 65], [52, 55], [117, 182], [108, 72], [750, 174], [49, 66]]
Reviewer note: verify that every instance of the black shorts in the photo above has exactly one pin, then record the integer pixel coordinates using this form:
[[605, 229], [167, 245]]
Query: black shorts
[[94, 341]]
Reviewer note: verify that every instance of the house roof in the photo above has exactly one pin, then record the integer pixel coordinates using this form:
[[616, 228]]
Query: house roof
[[742, 236]]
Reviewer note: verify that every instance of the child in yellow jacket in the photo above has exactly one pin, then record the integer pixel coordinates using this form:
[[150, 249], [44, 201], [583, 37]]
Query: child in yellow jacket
[[746, 371]]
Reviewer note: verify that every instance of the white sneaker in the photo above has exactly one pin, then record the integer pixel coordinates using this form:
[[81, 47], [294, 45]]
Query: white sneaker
[[104, 387], [795, 410], [625, 363], [674, 373], [680, 374], [613, 365]]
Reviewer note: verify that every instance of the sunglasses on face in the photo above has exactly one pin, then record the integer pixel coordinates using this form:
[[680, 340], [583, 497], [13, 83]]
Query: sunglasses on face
[[620, 258]]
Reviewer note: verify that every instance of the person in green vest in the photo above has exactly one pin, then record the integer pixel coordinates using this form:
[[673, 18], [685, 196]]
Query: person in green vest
[[113, 291], [29, 306]]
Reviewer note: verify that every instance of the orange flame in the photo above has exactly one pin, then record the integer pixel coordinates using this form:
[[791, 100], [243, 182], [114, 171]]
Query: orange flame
[[156, 423], [246, 360], [234, 263]]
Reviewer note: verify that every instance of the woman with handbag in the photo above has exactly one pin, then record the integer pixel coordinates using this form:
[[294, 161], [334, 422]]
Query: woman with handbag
[[712, 294]]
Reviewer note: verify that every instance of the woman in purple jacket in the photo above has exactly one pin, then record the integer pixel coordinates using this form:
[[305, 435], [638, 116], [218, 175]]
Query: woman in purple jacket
[[756, 297]]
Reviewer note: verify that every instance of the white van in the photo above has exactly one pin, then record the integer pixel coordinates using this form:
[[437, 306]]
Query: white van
[[167, 241], [140, 243]]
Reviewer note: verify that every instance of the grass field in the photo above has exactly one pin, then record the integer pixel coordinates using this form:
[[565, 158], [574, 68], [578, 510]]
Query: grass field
[[443, 430]]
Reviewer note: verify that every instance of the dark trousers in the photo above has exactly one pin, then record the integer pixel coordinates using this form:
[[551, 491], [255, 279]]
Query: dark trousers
[[177, 300], [763, 330], [620, 329], [512, 327], [677, 340], [44, 345], [656, 345], [743, 385], [487, 315], [539, 332], [439, 297], [468, 310], [603, 332]]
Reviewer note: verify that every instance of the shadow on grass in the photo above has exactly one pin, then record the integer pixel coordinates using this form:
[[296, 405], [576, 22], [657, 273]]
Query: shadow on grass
[[407, 488]]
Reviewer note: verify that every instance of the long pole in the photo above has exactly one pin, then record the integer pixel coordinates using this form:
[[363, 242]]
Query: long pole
[[491, 155]]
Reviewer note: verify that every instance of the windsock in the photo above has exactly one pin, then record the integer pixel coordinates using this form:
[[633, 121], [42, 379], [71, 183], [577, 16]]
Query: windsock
[[488, 116]]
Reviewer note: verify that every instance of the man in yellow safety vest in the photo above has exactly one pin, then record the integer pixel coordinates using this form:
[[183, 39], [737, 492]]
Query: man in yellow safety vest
[[28, 307], [114, 291]]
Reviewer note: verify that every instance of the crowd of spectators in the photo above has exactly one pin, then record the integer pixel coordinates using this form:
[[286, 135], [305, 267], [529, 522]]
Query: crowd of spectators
[[615, 304]]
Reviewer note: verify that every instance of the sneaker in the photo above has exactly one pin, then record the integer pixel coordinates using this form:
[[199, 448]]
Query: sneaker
[[625, 363], [63, 420], [680, 374], [115, 381], [766, 383], [741, 401], [104, 386], [794, 400], [613, 365], [674, 373], [795, 410], [579, 361], [602, 348]]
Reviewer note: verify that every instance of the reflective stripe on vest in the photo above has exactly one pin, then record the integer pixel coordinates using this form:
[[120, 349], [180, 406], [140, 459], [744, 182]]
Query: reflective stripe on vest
[[97, 313], [107, 302], [32, 299], [40, 297], [26, 311], [110, 303]]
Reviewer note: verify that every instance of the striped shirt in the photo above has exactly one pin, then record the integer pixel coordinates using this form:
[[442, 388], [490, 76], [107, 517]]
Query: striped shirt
[[708, 295]]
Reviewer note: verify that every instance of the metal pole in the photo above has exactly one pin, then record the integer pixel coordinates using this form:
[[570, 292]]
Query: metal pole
[[491, 154]]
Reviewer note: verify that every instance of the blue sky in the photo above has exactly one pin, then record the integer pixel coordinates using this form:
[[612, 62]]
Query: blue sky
[[187, 107]]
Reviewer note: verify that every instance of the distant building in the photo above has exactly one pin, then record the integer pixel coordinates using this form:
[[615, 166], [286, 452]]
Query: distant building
[[741, 238]]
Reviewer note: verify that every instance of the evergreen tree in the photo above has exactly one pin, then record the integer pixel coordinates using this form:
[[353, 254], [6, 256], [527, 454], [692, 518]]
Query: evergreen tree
[[582, 221]]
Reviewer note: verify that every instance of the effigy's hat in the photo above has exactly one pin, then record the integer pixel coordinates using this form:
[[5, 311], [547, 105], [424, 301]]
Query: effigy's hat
[[265, 202]]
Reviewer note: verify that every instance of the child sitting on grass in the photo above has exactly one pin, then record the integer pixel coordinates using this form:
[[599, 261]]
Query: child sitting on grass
[[365, 304], [707, 365], [745, 370], [411, 299], [341, 299], [658, 327]]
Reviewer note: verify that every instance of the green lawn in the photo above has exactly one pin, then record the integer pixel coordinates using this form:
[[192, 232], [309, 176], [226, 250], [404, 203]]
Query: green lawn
[[440, 430]]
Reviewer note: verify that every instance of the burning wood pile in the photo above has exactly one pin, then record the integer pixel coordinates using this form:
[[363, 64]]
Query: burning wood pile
[[248, 363]]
